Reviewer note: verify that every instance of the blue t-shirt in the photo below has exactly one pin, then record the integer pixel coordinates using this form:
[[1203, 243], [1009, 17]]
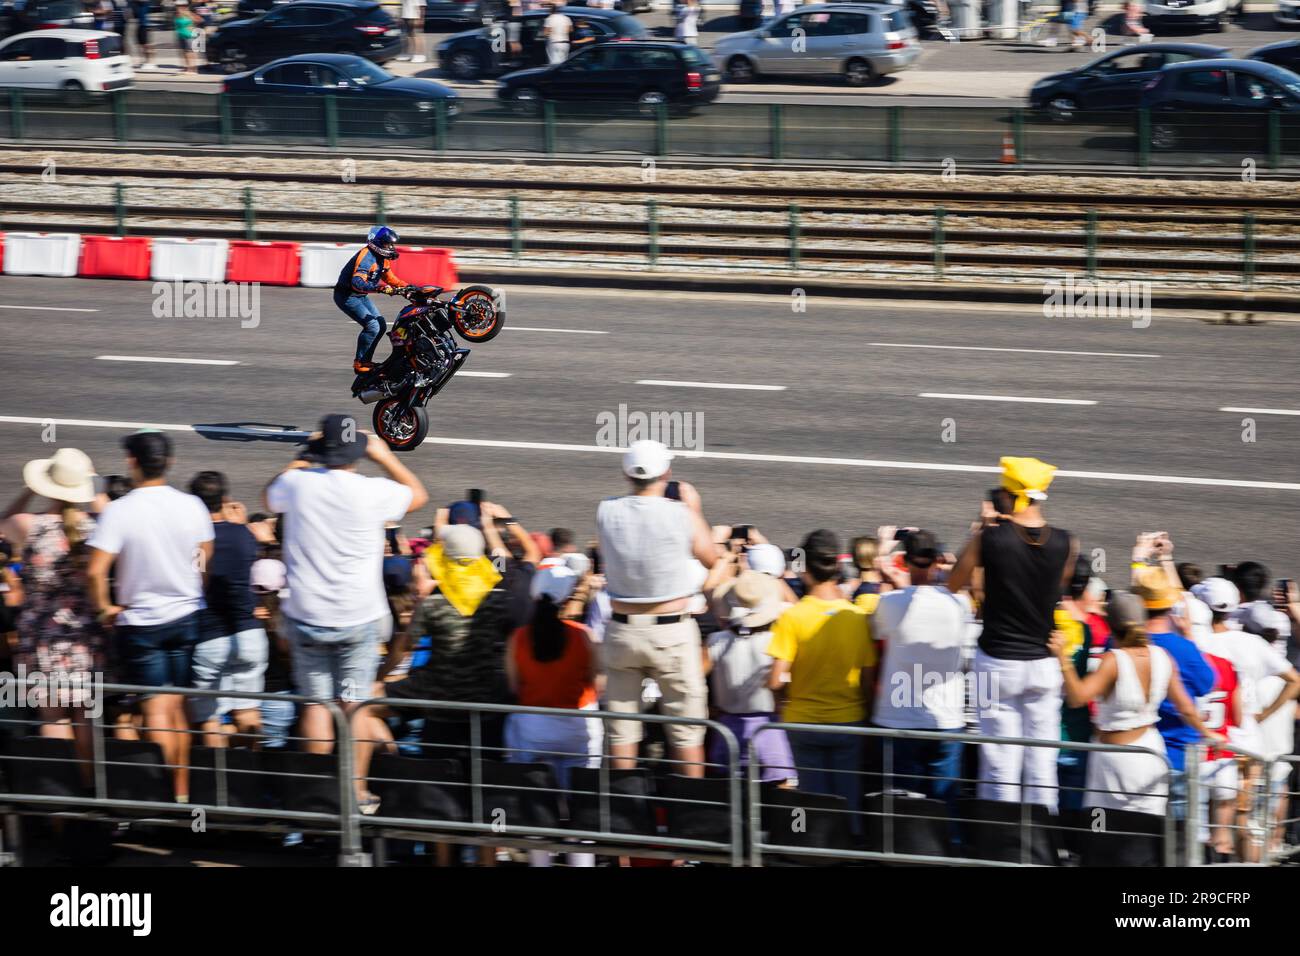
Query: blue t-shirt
[[1198, 680], [229, 593]]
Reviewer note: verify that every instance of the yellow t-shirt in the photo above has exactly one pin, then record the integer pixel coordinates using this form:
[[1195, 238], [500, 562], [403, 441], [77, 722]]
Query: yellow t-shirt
[[827, 644]]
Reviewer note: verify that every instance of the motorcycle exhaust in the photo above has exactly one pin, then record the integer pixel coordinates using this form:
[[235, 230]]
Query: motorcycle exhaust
[[371, 395]]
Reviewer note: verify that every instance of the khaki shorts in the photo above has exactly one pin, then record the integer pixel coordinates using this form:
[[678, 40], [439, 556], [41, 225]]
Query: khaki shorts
[[669, 653]]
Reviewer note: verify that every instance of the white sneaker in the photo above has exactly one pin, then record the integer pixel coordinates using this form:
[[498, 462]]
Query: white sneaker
[[403, 57], [148, 67], [419, 59]]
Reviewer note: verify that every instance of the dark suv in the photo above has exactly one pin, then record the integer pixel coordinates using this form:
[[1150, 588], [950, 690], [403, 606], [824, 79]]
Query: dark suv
[[646, 74], [43, 15], [1223, 106], [486, 51], [360, 27]]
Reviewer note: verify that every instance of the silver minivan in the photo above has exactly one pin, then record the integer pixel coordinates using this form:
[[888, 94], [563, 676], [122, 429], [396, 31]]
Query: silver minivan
[[858, 41]]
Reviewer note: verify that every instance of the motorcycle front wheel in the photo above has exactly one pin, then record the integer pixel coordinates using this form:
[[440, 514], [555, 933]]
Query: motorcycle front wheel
[[477, 314], [401, 428]]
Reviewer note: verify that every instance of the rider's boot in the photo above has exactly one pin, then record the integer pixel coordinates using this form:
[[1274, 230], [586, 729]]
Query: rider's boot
[[362, 367]]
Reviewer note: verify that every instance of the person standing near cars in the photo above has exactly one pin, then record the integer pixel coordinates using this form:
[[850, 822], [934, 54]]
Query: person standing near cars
[[688, 21], [412, 31], [556, 29], [186, 32]]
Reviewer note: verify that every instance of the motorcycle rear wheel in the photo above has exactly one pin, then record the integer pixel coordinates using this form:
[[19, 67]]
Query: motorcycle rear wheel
[[477, 317], [402, 431]]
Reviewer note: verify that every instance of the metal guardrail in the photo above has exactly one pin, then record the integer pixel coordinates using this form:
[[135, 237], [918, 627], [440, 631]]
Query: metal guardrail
[[817, 132]]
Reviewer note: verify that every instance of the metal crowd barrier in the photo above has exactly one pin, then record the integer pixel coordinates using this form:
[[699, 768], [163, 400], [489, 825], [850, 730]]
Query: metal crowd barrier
[[889, 816], [1253, 807]]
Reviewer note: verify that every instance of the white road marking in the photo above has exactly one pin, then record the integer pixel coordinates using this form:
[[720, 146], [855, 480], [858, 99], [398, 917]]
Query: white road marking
[[709, 455], [483, 374], [749, 388], [528, 328], [1007, 398], [984, 348], [1261, 411], [46, 308], [169, 361]]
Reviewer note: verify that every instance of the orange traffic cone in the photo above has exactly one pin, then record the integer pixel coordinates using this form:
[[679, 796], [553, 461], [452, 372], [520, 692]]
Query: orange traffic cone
[[1008, 147]]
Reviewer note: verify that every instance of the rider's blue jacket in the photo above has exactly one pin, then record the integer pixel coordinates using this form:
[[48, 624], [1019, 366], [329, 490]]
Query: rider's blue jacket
[[363, 273]]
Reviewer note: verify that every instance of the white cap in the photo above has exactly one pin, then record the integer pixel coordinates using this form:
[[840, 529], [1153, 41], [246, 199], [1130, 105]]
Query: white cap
[[1219, 593], [646, 459], [462, 542], [766, 559], [555, 582], [577, 562], [1258, 617]]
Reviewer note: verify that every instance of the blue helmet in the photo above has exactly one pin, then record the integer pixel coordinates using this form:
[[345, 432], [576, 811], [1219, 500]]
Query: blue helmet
[[382, 242]]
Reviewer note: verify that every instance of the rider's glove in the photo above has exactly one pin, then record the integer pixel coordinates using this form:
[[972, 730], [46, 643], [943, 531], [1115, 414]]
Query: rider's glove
[[387, 290]]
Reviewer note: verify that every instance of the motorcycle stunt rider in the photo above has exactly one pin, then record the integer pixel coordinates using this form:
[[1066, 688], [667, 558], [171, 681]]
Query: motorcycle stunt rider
[[369, 270]]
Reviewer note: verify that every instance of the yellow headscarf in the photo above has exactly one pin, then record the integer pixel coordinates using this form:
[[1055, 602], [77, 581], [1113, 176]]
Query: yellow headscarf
[[1027, 479], [464, 583]]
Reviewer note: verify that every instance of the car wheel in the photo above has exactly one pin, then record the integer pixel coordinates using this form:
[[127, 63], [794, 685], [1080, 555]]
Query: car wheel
[[1163, 136], [255, 120], [527, 101], [1219, 25], [395, 123], [1062, 109], [859, 72], [232, 58], [740, 70], [74, 94], [464, 65], [650, 101]]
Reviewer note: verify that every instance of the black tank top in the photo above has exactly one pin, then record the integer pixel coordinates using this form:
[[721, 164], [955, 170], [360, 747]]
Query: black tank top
[[1022, 583]]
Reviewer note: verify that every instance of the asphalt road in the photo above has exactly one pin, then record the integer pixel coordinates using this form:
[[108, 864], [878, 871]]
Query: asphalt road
[[841, 436]]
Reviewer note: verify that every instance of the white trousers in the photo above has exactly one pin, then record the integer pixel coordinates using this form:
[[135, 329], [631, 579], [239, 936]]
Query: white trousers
[[1019, 699]]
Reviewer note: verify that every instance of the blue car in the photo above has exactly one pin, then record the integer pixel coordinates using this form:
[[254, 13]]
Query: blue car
[[370, 101]]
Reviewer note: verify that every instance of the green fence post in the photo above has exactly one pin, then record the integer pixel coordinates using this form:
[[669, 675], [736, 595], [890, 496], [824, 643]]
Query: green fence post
[[1274, 139], [661, 129], [119, 116], [652, 227], [794, 235], [1144, 137], [516, 228], [380, 213], [938, 242], [895, 134], [1248, 250], [776, 130], [119, 207], [16, 113], [223, 117], [1018, 134], [331, 121], [548, 127], [440, 126], [1090, 235], [250, 215]]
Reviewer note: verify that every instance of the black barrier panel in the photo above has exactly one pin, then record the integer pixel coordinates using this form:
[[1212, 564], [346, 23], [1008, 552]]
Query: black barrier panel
[[364, 120], [54, 114], [740, 129], [170, 116], [835, 132], [485, 125], [265, 120], [1219, 138], [965, 134], [606, 128], [1096, 136]]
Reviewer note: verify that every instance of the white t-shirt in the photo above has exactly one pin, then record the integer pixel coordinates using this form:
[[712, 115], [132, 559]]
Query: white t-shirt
[[411, 9], [334, 542], [557, 28], [1258, 665], [921, 682], [741, 667], [155, 532]]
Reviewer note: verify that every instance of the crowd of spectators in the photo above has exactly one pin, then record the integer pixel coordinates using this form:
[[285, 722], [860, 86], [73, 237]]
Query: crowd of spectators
[[322, 594]]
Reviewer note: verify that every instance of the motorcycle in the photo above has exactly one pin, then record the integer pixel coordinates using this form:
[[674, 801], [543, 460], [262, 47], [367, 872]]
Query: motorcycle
[[425, 356]]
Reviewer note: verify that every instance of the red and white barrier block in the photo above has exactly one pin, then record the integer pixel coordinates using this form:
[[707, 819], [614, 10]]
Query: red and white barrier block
[[41, 253], [114, 257], [177, 259]]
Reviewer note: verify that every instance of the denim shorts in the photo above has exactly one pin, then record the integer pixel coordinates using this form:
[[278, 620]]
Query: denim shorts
[[334, 663], [159, 655], [235, 663]]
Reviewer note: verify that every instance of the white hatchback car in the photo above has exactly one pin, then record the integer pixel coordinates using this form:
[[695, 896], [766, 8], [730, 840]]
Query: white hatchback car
[[72, 60]]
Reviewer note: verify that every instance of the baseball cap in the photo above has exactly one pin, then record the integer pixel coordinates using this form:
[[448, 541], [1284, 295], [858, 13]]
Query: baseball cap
[[766, 559], [1155, 590], [577, 562], [267, 575], [1124, 610], [1260, 618], [921, 548], [646, 459], [462, 542], [1219, 593], [465, 512], [555, 581], [339, 442]]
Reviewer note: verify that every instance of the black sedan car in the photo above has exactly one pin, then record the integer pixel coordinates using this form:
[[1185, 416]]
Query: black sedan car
[[359, 27], [1115, 81], [1285, 54], [641, 73], [487, 51], [369, 99], [1223, 106]]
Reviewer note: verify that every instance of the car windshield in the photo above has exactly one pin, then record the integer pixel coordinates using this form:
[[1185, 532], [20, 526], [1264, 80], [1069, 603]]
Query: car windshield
[[364, 73], [694, 56]]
